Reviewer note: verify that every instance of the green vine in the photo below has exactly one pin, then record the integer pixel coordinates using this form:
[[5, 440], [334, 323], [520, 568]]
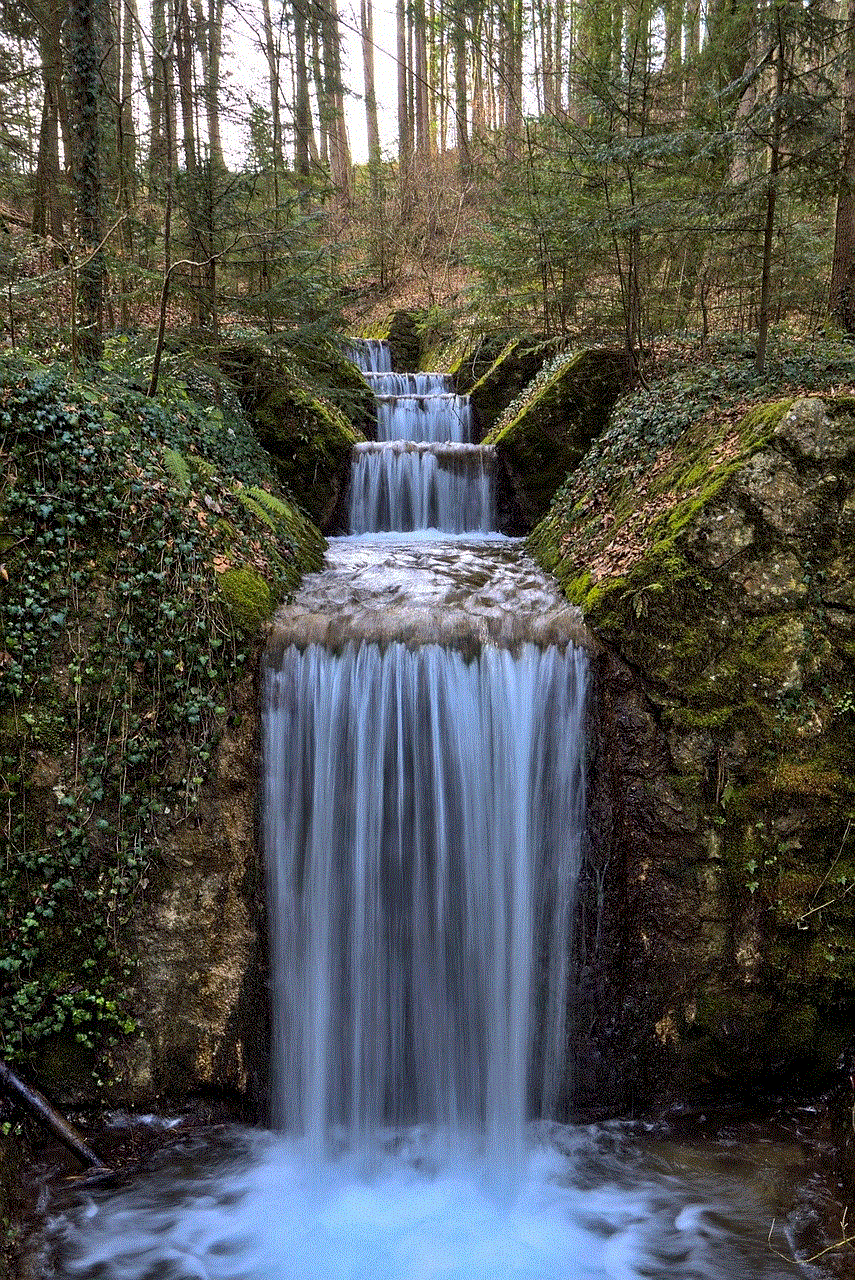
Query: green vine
[[119, 652]]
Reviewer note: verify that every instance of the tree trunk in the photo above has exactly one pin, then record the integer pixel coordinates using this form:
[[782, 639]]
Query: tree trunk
[[304, 135], [209, 39], [405, 136], [841, 292], [84, 58], [339, 153], [366, 25], [771, 197], [461, 106], [47, 200]]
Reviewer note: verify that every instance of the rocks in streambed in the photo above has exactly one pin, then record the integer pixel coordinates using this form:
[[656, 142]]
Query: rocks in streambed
[[720, 579]]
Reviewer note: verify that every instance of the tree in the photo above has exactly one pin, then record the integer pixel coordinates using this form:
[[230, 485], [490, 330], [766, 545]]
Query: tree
[[84, 37], [841, 291]]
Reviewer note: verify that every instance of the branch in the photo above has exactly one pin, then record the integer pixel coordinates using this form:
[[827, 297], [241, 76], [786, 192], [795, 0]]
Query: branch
[[48, 1116]]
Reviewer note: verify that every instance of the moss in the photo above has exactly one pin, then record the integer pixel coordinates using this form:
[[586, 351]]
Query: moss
[[133, 545], [805, 779], [401, 329], [247, 598], [309, 439], [546, 439], [497, 388]]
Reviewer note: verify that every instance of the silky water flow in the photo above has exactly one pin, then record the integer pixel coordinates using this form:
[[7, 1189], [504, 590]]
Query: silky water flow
[[424, 708]]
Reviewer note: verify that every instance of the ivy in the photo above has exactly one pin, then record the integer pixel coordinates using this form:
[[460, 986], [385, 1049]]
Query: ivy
[[117, 667]]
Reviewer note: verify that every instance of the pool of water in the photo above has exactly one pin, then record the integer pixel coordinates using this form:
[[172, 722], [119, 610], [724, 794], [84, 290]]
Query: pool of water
[[593, 1202]]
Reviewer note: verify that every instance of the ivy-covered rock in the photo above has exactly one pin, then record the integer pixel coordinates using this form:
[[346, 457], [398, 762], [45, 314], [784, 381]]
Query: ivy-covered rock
[[713, 559], [308, 437], [543, 435], [127, 729]]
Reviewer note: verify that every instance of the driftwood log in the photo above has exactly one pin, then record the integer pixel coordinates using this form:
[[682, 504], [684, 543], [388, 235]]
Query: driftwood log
[[47, 1115]]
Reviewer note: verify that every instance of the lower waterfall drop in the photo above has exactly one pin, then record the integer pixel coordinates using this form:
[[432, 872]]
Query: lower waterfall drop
[[424, 813]]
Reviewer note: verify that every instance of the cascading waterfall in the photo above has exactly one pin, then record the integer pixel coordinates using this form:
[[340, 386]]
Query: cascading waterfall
[[402, 486], [424, 471], [424, 813], [424, 774]]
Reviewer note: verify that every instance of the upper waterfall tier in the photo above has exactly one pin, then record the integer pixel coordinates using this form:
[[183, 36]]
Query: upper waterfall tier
[[386, 384], [371, 355], [434, 418]]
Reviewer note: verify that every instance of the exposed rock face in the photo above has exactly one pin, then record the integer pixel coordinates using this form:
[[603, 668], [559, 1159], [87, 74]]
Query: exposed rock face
[[200, 938], [546, 439], [722, 586]]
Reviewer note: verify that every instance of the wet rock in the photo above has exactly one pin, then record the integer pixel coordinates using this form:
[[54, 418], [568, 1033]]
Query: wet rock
[[200, 991], [770, 485], [309, 439]]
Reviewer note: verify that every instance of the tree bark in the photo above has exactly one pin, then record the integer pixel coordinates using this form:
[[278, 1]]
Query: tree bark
[[841, 292], [38, 1105], [771, 197], [366, 26], [209, 39]]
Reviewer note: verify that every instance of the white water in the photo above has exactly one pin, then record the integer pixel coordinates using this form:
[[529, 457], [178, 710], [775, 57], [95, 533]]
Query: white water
[[423, 472], [433, 414], [424, 819], [402, 486], [423, 813]]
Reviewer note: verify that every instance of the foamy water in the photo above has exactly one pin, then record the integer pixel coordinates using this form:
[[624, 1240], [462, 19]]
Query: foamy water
[[594, 1204]]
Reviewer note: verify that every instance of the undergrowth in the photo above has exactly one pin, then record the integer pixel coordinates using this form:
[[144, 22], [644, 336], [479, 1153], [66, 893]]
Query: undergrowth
[[718, 387]]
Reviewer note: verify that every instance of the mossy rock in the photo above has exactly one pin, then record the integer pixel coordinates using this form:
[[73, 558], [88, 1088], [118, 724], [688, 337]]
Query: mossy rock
[[309, 439], [552, 431], [247, 598], [715, 574], [402, 330], [501, 383]]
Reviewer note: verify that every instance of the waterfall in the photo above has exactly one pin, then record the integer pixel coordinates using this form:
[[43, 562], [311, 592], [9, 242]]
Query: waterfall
[[370, 354], [423, 823], [404, 486], [424, 472], [424, 808]]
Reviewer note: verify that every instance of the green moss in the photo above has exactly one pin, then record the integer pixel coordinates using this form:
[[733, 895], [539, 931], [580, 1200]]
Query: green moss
[[308, 438], [546, 438], [147, 551], [247, 598]]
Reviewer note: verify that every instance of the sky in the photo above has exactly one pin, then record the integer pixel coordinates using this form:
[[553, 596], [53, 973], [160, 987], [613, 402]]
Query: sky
[[245, 73]]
